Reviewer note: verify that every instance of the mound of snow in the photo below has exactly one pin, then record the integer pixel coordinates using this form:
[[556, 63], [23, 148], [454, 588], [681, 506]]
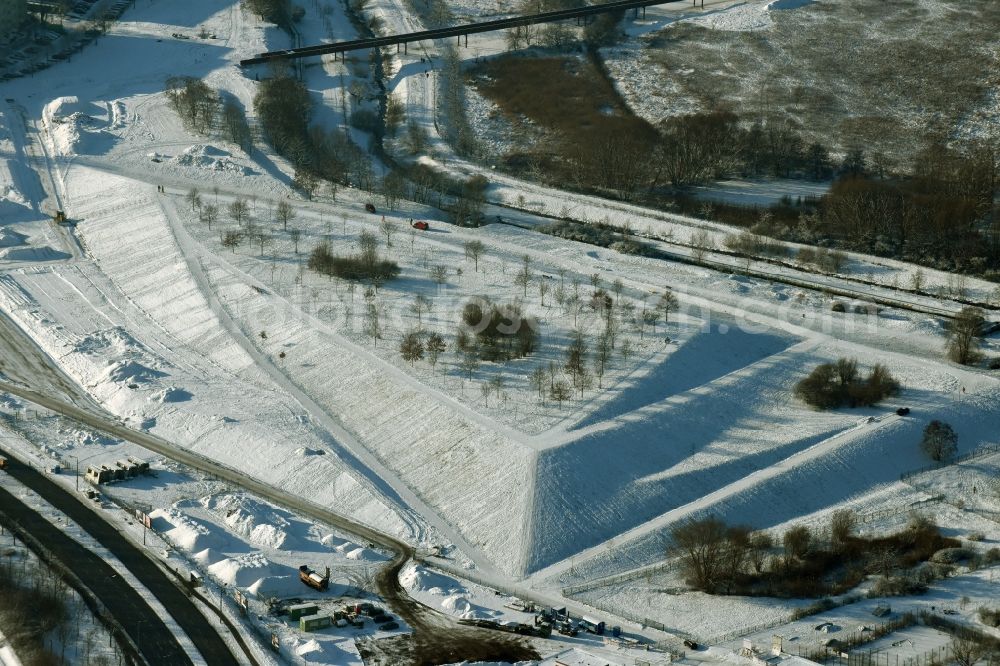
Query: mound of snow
[[171, 394], [210, 157], [62, 108], [207, 557], [456, 603], [332, 541], [43, 253], [188, 534], [246, 570], [418, 579], [260, 524], [131, 372]]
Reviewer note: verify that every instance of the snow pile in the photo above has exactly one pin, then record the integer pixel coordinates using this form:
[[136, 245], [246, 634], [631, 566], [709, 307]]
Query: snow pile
[[246, 570], [73, 129], [418, 579], [43, 253], [131, 372], [171, 394], [191, 535], [260, 524], [132, 362], [210, 157]]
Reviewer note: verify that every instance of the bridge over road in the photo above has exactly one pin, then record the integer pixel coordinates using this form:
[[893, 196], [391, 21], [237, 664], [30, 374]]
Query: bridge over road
[[455, 31]]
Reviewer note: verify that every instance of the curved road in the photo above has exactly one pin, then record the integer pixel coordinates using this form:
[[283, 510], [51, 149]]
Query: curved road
[[146, 629], [437, 638]]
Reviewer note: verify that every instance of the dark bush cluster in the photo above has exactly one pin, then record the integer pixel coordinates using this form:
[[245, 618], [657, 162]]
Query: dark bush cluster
[[724, 559], [357, 268], [838, 384], [276, 11], [600, 234], [496, 332]]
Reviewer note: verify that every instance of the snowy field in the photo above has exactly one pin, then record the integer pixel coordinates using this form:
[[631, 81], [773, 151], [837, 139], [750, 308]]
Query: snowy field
[[246, 356]]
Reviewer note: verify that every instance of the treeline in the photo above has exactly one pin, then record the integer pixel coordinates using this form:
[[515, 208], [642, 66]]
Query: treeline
[[937, 210], [202, 110], [284, 110], [733, 559]]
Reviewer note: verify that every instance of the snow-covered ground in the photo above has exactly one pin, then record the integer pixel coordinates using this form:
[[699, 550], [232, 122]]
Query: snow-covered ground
[[248, 358]]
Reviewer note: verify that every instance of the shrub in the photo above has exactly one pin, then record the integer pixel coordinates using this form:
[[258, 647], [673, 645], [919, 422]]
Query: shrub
[[496, 332], [838, 307], [939, 443], [354, 268], [952, 555], [833, 385], [897, 586], [989, 616]]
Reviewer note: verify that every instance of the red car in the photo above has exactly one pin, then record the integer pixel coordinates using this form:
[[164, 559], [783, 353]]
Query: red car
[[420, 224]]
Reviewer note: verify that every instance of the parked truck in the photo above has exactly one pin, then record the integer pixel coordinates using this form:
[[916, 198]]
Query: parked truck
[[313, 579]]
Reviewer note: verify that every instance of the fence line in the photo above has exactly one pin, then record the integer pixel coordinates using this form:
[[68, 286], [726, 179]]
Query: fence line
[[979, 452]]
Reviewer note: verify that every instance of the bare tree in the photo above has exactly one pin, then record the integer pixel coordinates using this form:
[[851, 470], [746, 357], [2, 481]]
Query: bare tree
[[842, 523], [602, 353], [388, 229], [700, 544], [231, 239], [701, 242], [296, 236], [560, 392], [285, 213], [411, 348], [193, 198], [523, 277], [967, 651], [238, 211], [543, 288], [666, 304], [760, 546], [209, 214], [439, 274], [306, 182], [625, 349], [474, 250], [796, 541], [939, 443], [469, 363], [373, 323], [435, 347], [538, 381], [618, 287], [419, 306], [964, 334]]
